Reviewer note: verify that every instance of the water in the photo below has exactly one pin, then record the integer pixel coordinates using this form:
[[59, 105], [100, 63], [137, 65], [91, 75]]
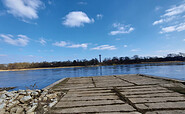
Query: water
[[45, 77]]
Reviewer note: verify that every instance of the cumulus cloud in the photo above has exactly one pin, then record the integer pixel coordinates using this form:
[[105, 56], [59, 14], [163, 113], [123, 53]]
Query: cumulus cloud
[[135, 50], [82, 3], [157, 8], [60, 44], [99, 16], [76, 19], [42, 41], [19, 40], [121, 29], [23, 8], [125, 46], [78, 45], [180, 27], [70, 45], [104, 47], [175, 10], [173, 19], [164, 20]]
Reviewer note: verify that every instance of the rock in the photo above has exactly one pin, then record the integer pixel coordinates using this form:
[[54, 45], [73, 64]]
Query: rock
[[32, 109], [38, 90], [12, 104], [3, 96], [22, 93], [45, 98], [53, 103], [35, 100], [9, 94], [20, 96], [2, 111], [34, 93], [51, 96], [19, 110], [2, 106], [14, 98], [26, 99], [1, 100], [13, 110]]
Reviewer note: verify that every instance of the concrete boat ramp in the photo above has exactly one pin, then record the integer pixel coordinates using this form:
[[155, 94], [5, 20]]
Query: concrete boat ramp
[[120, 94]]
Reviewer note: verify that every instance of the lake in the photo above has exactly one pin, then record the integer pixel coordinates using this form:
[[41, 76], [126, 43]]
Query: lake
[[45, 77]]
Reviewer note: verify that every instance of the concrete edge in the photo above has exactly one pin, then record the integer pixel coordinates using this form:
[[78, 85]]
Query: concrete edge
[[163, 78], [55, 83]]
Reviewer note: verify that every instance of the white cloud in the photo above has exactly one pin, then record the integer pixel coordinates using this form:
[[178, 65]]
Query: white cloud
[[78, 45], [175, 10], [125, 46], [21, 40], [104, 47], [60, 44], [184, 40], [82, 3], [178, 28], [135, 50], [174, 18], [23, 8], [69, 45], [76, 19], [164, 20], [157, 8], [121, 29], [99, 16], [42, 41]]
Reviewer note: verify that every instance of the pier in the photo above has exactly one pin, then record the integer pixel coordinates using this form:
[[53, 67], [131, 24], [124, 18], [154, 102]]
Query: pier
[[124, 94]]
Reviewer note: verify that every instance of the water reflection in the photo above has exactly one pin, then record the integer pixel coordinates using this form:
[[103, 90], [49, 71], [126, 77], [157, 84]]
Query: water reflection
[[45, 77]]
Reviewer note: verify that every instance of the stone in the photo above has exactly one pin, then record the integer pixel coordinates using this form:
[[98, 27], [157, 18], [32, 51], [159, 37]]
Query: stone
[[34, 93], [20, 96], [1, 100], [19, 110], [51, 96], [53, 103], [12, 104], [2, 111], [13, 110], [14, 98], [22, 93], [32, 109], [2, 106], [96, 109], [26, 99], [3, 96], [45, 98], [9, 94]]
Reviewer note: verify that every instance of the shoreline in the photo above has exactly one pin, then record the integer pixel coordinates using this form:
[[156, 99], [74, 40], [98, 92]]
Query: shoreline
[[85, 66]]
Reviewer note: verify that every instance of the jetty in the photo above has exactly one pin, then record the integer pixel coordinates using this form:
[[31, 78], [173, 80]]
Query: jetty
[[124, 94]]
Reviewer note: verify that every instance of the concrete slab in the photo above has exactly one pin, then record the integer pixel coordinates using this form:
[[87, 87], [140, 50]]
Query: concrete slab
[[96, 109], [158, 99], [125, 94], [163, 105], [63, 104], [167, 112]]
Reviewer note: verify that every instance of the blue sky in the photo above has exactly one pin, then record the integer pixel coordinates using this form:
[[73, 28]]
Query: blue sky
[[58, 30]]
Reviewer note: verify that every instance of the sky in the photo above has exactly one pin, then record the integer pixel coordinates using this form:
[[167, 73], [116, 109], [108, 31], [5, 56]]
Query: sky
[[60, 30]]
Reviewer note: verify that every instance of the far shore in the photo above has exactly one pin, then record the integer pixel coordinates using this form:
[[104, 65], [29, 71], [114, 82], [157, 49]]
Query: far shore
[[84, 66]]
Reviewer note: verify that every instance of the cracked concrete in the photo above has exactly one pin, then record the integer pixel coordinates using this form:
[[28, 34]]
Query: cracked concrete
[[125, 94]]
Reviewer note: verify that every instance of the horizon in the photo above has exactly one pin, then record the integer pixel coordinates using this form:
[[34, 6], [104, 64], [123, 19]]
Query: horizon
[[51, 30]]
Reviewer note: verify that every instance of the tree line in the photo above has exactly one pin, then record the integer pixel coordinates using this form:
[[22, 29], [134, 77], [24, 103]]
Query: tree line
[[107, 61]]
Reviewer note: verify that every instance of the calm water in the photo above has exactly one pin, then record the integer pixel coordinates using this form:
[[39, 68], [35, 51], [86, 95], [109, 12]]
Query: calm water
[[45, 77]]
